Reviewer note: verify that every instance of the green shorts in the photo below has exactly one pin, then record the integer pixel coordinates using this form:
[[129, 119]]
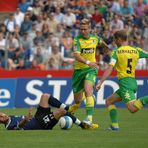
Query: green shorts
[[80, 76], [127, 89]]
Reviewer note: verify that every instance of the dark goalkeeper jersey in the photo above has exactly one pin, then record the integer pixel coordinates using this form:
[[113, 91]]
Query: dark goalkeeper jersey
[[15, 120]]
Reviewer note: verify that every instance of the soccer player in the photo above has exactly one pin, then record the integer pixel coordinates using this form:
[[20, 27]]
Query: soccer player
[[44, 118], [85, 67], [124, 59]]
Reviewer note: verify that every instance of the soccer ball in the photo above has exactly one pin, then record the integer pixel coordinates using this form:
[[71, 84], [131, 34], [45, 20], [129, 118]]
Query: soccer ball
[[65, 122]]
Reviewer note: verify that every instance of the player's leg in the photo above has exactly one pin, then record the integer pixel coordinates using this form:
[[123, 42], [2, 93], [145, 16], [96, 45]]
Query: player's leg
[[110, 102], [78, 88], [48, 99], [58, 113], [136, 105], [89, 82], [78, 98], [88, 87]]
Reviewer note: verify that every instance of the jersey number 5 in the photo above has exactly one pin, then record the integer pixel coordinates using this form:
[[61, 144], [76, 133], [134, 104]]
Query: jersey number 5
[[129, 66]]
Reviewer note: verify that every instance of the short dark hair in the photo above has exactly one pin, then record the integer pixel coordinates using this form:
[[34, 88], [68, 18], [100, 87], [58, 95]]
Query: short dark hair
[[122, 34]]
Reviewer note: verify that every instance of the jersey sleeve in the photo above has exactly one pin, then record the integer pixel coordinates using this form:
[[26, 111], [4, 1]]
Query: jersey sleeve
[[76, 45], [99, 40], [142, 53], [113, 58]]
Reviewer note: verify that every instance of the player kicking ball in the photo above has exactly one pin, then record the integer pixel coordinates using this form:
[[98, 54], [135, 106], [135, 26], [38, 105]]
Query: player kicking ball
[[124, 58]]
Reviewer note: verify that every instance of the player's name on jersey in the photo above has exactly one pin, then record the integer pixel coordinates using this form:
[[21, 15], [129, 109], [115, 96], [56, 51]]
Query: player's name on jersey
[[127, 51]]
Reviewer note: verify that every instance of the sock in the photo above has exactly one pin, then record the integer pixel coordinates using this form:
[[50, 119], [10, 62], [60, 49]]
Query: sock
[[89, 107], [113, 115], [74, 119], [144, 100], [54, 102]]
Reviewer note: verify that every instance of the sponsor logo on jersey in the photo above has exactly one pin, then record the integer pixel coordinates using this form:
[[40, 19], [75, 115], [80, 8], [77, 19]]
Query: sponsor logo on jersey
[[87, 50]]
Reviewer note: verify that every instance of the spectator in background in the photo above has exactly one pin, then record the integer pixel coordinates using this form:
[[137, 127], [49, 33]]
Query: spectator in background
[[59, 31], [139, 9], [31, 15], [35, 66], [59, 15], [3, 29], [96, 17], [55, 59], [126, 11], [38, 56], [52, 22], [67, 42], [69, 18], [2, 45], [45, 30], [116, 23], [23, 5], [21, 64], [19, 16], [10, 23], [115, 6], [39, 39], [26, 25], [39, 22]]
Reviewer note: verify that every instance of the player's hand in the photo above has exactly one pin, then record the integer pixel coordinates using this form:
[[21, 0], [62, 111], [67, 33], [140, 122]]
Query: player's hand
[[30, 114], [98, 86], [93, 65]]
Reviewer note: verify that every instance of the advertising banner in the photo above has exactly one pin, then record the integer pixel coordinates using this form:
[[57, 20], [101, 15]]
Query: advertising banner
[[27, 91], [7, 93]]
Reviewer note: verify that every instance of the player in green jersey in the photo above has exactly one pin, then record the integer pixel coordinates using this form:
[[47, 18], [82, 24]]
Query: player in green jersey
[[85, 67], [124, 59]]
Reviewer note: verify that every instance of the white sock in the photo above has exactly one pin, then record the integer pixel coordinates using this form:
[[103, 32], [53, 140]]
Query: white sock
[[62, 106], [77, 121]]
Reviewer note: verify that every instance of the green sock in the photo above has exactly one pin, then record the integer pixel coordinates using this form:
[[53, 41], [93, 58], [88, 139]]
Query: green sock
[[113, 115], [144, 100]]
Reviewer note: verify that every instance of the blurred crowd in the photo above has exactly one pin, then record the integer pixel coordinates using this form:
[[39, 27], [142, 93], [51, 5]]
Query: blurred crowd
[[39, 35]]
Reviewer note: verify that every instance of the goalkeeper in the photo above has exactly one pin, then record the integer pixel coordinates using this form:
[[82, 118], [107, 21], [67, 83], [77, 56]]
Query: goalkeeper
[[44, 118]]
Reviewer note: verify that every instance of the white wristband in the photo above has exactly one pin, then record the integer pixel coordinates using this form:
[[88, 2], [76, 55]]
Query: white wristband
[[87, 62]]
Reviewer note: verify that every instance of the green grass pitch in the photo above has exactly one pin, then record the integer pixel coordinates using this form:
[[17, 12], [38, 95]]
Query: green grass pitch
[[133, 133]]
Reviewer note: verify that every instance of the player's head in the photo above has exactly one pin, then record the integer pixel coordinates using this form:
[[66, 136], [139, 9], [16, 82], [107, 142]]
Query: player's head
[[85, 27], [3, 118], [120, 37]]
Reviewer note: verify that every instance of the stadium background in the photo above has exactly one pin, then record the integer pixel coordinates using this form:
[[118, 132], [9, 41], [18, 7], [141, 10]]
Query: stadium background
[[21, 77]]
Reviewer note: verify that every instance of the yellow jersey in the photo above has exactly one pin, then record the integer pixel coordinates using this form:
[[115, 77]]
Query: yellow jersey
[[87, 49], [125, 59]]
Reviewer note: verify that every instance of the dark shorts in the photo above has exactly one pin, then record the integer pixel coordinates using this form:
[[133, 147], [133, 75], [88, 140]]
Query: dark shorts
[[45, 118]]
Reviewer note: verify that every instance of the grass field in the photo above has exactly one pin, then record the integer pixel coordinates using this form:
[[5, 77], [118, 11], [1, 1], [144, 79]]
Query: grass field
[[133, 133]]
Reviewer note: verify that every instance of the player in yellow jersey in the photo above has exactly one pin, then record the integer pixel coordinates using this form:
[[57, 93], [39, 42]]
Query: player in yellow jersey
[[85, 67], [124, 59]]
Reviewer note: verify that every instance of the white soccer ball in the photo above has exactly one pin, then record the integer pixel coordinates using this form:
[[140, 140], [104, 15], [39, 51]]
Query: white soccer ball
[[65, 122]]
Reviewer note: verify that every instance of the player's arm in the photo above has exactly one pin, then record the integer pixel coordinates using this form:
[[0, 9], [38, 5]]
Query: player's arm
[[142, 53], [104, 45], [25, 120], [106, 74], [79, 58], [108, 71]]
